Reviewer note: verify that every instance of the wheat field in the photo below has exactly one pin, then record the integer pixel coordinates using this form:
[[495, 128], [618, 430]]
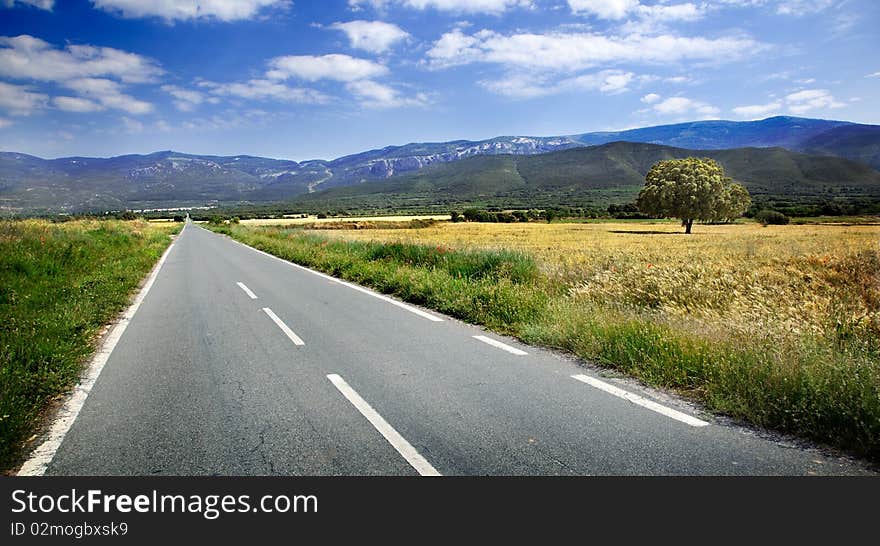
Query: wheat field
[[723, 281]]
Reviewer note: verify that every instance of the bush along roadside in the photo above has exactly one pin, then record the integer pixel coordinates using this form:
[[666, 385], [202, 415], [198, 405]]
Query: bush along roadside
[[60, 284], [812, 387]]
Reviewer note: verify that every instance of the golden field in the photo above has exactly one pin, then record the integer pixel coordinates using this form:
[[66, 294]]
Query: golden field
[[725, 281]]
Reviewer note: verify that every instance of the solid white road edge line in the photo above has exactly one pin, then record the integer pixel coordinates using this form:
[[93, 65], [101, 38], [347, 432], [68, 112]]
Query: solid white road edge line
[[382, 297], [398, 442], [644, 402], [502, 346], [247, 290], [41, 456], [287, 331]]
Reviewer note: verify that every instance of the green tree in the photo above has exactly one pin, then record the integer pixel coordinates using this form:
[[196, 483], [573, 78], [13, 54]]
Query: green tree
[[733, 203], [691, 189]]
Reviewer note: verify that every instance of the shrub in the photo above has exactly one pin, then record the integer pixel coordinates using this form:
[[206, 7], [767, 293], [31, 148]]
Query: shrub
[[772, 217]]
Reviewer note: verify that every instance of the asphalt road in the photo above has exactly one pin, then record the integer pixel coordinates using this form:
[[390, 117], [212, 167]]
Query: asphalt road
[[337, 381]]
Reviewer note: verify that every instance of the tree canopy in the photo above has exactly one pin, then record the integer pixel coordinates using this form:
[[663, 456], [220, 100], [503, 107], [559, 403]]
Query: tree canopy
[[692, 189]]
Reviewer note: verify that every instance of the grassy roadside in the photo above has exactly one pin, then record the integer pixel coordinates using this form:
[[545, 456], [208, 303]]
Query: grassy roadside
[[822, 384], [59, 285]]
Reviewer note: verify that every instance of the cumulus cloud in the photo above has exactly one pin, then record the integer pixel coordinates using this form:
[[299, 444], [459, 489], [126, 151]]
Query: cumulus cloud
[[563, 51], [42, 4], [26, 57], [874, 75], [804, 101], [312, 68], [108, 94], [799, 102], [85, 69], [182, 10], [20, 100], [492, 7], [376, 95], [684, 105], [651, 98], [372, 36], [758, 111], [358, 76]]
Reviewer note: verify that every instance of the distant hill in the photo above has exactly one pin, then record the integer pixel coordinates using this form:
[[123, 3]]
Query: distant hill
[[838, 138], [610, 172], [162, 179], [170, 179]]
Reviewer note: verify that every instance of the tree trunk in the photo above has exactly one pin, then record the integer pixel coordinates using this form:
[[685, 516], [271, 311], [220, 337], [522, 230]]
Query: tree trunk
[[687, 225]]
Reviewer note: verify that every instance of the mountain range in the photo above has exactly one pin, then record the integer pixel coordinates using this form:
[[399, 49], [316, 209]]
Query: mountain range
[[784, 156], [598, 175]]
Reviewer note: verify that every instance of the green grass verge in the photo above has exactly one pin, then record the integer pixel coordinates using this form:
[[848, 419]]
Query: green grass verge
[[825, 390], [59, 285]]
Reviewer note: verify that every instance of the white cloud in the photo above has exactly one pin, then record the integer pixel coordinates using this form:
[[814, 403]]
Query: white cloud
[[261, 89], [185, 100], [622, 9], [651, 98], [493, 7], [874, 75], [132, 126], [19, 100], [325, 67], [802, 7], [26, 57], [372, 36], [799, 102], [683, 105], [604, 9], [42, 4], [609, 82], [758, 111], [182, 10], [377, 95], [811, 99], [5, 122], [76, 104], [575, 51], [108, 94], [674, 12]]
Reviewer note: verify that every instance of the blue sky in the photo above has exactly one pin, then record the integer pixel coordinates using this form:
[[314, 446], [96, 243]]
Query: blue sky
[[302, 80]]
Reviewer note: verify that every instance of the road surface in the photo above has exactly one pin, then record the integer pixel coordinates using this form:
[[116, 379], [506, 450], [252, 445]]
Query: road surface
[[237, 363]]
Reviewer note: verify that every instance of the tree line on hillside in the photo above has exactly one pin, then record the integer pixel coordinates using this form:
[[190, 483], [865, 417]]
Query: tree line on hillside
[[691, 189]]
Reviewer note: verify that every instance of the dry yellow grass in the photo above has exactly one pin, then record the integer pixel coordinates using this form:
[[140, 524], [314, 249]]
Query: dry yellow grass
[[727, 281]]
